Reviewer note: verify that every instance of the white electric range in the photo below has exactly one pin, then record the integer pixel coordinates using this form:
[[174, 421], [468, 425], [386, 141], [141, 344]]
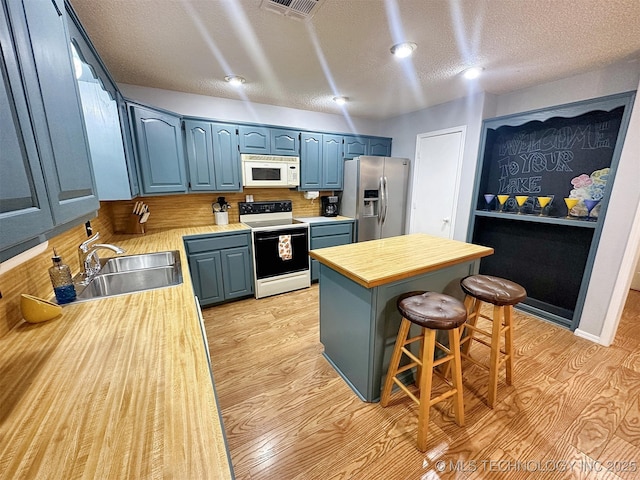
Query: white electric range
[[280, 247]]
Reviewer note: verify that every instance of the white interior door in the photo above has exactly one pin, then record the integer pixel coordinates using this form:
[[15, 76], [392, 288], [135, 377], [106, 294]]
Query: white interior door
[[436, 181]]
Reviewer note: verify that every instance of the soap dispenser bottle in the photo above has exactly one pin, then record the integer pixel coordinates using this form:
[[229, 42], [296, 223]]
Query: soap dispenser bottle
[[61, 280]]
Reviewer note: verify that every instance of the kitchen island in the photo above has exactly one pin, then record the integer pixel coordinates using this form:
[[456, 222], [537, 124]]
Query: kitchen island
[[359, 286]]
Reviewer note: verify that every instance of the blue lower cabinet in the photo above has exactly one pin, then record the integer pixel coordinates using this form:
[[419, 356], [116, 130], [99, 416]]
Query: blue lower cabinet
[[329, 234], [237, 275], [206, 275], [220, 266]]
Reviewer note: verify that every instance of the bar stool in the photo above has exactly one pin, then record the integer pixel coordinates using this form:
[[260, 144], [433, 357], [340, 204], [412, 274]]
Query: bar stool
[[431, 311], [502, 294]]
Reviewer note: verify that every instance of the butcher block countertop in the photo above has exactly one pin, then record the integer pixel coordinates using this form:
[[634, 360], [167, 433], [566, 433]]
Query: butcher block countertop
[[378, 262], [115, 388]]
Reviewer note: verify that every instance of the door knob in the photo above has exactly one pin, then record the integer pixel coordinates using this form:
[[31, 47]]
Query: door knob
[[446, 220]]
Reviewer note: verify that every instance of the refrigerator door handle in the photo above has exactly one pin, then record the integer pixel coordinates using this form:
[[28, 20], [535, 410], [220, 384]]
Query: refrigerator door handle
[[386, 199], [383, 202]]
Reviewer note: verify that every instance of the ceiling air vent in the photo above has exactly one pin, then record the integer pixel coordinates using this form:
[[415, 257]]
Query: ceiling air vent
[[298, 9]]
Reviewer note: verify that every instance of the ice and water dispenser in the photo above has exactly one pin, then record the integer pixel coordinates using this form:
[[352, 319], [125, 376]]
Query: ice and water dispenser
[[371, 203]]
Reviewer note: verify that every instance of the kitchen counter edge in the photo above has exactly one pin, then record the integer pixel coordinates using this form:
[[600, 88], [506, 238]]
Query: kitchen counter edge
[[116, 386]]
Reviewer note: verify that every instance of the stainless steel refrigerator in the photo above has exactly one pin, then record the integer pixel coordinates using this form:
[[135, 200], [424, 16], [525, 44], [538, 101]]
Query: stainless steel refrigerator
[[375, 194]]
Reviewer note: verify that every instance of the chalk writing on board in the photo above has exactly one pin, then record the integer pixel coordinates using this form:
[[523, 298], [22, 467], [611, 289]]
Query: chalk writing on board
[[526, 158]]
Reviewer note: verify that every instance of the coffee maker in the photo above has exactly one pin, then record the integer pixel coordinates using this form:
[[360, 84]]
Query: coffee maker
[[329, 206]]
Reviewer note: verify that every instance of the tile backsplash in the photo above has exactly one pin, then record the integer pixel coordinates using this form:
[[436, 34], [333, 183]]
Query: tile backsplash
[[194, 209]]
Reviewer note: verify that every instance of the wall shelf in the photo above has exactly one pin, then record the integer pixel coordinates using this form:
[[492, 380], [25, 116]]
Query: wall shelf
[[572, 222], [565, 151]]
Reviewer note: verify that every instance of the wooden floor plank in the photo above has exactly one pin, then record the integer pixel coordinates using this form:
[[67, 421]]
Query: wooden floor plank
[[289, 415]]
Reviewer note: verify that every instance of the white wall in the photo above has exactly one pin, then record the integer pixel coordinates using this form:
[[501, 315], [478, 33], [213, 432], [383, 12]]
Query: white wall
[[616, 78], [468, 111], [229, 110]]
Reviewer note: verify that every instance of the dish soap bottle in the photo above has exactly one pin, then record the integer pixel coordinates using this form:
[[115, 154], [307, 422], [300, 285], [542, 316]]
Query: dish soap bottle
[[61, 279]]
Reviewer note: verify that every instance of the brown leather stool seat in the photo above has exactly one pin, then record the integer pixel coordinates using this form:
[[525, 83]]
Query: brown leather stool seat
[[430, 311], [502, 294], [433, 310], [494, 290]]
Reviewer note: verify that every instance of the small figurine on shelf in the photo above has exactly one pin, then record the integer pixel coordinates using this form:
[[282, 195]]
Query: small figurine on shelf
[[544, 201], [488, 198], [502, 200], [521, 199]]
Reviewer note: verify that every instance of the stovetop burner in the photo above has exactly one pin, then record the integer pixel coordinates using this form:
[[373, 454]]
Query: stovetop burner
[[269, 223], [271, 215]]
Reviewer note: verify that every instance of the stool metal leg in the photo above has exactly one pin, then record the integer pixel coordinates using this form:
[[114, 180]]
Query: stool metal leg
[[394, 362], [426, 378]]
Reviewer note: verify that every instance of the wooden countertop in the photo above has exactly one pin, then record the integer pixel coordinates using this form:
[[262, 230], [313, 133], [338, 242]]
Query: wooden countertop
[[115, 388], [378, 262]]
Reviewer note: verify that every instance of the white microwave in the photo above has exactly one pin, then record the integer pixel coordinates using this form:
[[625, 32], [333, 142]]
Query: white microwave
[[265, 171]]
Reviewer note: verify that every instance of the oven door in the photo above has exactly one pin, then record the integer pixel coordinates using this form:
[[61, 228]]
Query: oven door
[[267, 254]]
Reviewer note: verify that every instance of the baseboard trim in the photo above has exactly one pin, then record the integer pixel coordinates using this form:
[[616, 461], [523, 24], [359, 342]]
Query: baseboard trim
[[588, 336]]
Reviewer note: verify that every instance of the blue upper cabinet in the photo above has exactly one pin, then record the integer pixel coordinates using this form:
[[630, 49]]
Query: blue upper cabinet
[[212, 154], [226, 158], [285, 142], [24, 206], [254, 139], [355, 146], [332, 162], [53, 100], [380, 147], [105, 118], [199, 155], [268, 141], [321, 162], [310, 161], [159, 149]]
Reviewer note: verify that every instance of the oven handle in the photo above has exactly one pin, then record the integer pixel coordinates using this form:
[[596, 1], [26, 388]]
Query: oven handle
[[273, 237]]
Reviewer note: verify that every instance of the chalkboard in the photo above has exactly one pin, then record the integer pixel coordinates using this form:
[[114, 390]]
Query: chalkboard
[[569, 150], [559, 157]]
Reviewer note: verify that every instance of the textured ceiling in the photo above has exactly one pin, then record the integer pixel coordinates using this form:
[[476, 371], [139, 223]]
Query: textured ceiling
[[190, 46]]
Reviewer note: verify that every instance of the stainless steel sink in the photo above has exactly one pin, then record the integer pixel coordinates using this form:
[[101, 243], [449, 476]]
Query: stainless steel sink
[[110, 284], [133, 273], [139, 262]]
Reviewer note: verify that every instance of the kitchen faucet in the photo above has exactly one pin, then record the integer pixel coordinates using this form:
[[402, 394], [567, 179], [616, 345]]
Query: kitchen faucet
[[88, 257]]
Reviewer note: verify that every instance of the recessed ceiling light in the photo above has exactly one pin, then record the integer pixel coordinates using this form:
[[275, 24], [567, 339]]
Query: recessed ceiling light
[[403, 50], [340, 100], [235, 80], [473, 72]]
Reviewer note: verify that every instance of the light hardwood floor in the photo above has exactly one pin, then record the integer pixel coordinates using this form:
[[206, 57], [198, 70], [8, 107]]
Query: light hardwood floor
[[288, 415]]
